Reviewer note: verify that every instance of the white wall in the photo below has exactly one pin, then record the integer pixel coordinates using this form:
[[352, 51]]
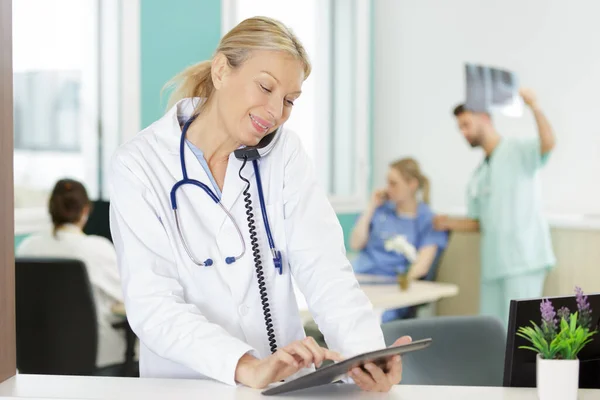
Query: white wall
[[553, 45]]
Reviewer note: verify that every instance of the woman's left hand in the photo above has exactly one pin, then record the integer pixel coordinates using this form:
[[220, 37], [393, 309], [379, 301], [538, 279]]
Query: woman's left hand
[[375, 379]]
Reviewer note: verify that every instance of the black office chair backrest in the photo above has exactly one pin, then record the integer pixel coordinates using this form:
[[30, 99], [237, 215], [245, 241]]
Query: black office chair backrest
[[466, 351], [98, 222], [57, 330]]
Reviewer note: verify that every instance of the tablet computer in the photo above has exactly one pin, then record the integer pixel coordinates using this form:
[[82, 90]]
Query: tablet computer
[[333, 372]]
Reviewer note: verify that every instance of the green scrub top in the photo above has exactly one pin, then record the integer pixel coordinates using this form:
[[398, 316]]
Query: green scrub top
[[504, 194]]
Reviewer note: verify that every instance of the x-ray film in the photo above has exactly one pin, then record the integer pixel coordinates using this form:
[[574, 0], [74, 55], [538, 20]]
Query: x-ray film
[[492, 90]]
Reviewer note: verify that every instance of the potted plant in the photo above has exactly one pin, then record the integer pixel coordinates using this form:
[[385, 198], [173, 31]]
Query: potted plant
[[557, 342]]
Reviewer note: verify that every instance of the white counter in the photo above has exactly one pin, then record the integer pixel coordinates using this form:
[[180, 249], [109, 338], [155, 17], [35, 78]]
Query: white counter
[[59, 387]]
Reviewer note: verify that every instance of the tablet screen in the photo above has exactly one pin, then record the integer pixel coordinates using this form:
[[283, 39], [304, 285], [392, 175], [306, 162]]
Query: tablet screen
[[332, 372]]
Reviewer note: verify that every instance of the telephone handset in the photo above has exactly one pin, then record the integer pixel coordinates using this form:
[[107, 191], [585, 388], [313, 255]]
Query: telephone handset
[[266, 144], [253, 153]]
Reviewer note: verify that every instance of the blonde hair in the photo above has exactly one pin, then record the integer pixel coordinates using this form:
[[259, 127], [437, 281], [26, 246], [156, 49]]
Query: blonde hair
[[257, 33], [409, 169]]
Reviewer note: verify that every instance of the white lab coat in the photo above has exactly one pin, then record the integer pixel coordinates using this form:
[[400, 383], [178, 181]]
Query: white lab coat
[[100, 260], [196, 322]]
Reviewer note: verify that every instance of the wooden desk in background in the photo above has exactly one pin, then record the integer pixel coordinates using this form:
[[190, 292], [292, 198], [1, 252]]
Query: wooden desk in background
[[386, 294]]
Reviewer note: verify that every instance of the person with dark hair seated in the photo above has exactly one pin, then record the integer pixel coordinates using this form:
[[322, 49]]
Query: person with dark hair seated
[[69, 207]]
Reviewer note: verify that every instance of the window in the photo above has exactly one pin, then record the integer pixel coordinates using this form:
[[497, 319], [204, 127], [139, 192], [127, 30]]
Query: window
[[55, 97], [332, 115], [67, 70], [54, 90]]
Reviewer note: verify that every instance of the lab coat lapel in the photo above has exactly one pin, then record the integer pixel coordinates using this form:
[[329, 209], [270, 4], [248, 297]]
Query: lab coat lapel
[[199, 215], [234, 186], [203, 219]]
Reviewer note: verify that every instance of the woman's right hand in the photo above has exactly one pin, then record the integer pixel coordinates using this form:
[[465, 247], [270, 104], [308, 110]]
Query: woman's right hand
[[378, 198], [284, 362]]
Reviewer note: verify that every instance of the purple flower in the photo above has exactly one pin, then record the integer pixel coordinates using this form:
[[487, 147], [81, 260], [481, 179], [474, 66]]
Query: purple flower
[[583, 307], [563, 313], [548, 318], [582, 300]]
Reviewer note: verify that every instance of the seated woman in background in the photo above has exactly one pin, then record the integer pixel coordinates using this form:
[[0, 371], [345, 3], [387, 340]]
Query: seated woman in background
[[395, 235], [69, 208]]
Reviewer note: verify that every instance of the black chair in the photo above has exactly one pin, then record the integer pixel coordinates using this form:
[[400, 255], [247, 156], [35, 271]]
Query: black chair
[[57, 327], [98, 222], [466, 351]]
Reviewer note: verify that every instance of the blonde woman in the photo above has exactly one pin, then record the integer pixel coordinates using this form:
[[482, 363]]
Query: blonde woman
[[395, 234], [210, 227]]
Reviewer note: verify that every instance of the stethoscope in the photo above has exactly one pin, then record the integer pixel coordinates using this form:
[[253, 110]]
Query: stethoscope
[[187, 181]]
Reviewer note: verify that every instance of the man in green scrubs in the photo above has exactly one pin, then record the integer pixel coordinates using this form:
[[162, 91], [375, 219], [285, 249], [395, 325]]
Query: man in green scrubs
[[504, 204]]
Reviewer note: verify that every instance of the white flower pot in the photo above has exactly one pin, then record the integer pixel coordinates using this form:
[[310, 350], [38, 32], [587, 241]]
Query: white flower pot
[[557, 379]]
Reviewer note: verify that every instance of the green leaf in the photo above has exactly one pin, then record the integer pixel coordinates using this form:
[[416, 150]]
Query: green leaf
[[563, 343], [573, 322], [530, 348]]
